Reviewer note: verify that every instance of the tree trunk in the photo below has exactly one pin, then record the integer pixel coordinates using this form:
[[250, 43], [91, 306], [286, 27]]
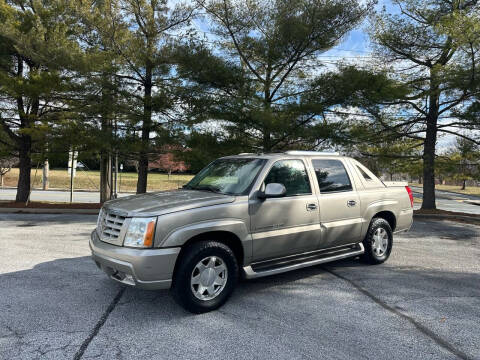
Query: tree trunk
[[266, 140], [1, 181], [429, 176], [24, 141], [146, 127], [428, 202], [105, 152], [142, 173], [464, 184], [105, 170], [267, 145], [25, 167]]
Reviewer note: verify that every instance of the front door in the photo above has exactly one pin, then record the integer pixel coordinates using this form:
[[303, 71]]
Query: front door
[[287, 225], [340, 216]]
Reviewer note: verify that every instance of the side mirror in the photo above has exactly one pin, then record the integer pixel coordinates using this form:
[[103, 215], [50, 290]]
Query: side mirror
[[272, 190]]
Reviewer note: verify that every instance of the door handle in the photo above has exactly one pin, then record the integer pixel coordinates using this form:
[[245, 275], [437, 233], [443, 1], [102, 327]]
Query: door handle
[[351, 203], [311, 207]]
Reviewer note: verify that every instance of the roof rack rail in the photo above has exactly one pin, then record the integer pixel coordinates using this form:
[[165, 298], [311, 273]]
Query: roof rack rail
[[301, 152], [246, 153]]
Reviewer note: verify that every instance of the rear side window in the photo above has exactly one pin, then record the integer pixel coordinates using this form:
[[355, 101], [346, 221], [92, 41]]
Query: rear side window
[[292, 174], [331, 176]]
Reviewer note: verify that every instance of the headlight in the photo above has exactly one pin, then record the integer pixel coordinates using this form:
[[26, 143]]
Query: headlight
[[140, 232], [101, 215]]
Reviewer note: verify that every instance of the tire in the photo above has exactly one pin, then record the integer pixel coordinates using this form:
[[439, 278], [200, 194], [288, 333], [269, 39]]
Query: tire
[[205, 276], [378, 242]]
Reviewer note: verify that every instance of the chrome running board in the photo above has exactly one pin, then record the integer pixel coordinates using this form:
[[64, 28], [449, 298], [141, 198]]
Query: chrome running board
[[260, 269]]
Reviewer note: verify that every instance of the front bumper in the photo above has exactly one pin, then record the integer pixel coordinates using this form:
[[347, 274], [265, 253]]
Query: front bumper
[[149, 269]]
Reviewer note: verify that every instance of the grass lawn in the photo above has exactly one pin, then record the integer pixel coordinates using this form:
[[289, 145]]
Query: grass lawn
[[469, 190], [90, 180]]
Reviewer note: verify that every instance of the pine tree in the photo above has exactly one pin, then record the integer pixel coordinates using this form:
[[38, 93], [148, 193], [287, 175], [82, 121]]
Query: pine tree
[[425, 53], [146, 50], [37, 47], [262, 60]]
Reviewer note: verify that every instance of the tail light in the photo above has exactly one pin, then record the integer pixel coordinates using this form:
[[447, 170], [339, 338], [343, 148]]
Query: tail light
[[409, 191]]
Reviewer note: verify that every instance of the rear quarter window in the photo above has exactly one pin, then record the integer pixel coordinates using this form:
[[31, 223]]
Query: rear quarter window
[[369, 180]]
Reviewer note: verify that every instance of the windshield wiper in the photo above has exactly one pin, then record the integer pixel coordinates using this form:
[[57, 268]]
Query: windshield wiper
[[210, 188]]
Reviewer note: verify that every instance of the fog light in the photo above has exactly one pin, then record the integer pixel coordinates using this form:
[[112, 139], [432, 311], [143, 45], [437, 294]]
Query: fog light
[[129, 279]]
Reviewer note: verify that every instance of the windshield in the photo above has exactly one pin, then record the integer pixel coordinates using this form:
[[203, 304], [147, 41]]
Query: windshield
[[227, 176]]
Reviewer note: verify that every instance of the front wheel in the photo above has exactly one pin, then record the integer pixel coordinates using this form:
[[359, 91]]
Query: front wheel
[[205, 276], [378, 242]]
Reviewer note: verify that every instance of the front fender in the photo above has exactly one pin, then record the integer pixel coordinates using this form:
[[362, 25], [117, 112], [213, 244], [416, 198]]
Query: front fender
[[181, 235]]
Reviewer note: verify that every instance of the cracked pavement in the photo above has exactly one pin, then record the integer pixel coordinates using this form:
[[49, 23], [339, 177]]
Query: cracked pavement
[[424, 303]]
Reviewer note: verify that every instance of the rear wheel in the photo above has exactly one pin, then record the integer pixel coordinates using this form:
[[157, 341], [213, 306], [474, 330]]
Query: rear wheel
[[378, 242], [205, 276]]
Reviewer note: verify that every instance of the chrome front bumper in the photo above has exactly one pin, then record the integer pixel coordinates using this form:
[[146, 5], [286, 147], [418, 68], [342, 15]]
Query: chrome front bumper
[[149, 269]]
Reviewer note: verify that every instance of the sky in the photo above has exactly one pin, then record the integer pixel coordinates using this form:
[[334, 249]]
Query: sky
[[354, 45], [357, 43]]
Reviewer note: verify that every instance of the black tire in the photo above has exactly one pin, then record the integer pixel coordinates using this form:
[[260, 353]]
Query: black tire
[[181, 286], [371, 256]]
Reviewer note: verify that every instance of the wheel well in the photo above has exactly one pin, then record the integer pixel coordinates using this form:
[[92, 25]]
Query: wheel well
[[224, 237], [389, 216]]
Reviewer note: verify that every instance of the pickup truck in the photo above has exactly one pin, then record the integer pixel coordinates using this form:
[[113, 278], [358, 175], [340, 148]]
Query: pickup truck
[[249, 215]]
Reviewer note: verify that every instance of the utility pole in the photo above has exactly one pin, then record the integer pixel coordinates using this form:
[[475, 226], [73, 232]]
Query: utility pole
[[72, 166], [46, 170]]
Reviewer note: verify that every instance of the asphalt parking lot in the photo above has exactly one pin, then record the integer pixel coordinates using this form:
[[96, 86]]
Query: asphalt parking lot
[[424, 303]]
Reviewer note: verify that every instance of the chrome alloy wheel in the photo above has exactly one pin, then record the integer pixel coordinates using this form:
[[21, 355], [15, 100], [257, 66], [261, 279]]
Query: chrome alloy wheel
[[380, 242], [209, 278]]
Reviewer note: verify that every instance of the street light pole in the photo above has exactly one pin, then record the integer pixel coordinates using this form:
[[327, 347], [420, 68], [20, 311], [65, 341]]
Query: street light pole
[[116, 174]]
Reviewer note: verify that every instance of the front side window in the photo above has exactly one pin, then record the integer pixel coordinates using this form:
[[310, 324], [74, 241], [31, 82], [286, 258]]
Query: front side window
[[292, 174], [233, 176], [331, 176]]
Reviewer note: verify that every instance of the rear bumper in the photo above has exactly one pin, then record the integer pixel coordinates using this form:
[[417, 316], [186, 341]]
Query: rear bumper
[[149, 269]]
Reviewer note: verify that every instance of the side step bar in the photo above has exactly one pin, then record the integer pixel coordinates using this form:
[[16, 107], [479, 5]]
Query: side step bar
[[258, 270]]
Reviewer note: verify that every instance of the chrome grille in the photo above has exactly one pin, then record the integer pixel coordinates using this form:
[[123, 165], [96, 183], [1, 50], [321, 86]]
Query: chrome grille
[[110, 225]]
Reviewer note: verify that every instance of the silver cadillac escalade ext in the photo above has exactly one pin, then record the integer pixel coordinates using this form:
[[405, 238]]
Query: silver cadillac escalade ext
[[249, 215]]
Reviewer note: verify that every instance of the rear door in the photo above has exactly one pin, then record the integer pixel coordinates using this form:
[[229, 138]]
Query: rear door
[[287, 225], [340, 214]]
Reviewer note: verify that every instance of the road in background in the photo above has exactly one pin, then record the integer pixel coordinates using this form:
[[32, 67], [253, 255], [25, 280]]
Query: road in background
[[445, 200], [451, 201], [423, 303], [57, 196]]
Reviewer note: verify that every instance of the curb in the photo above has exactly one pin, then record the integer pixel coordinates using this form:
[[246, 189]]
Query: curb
[[472, 202], [474, 219], [450, 195], [48, 211]]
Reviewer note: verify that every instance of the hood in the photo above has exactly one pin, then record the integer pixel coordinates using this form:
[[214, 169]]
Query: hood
[[164, 202]]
